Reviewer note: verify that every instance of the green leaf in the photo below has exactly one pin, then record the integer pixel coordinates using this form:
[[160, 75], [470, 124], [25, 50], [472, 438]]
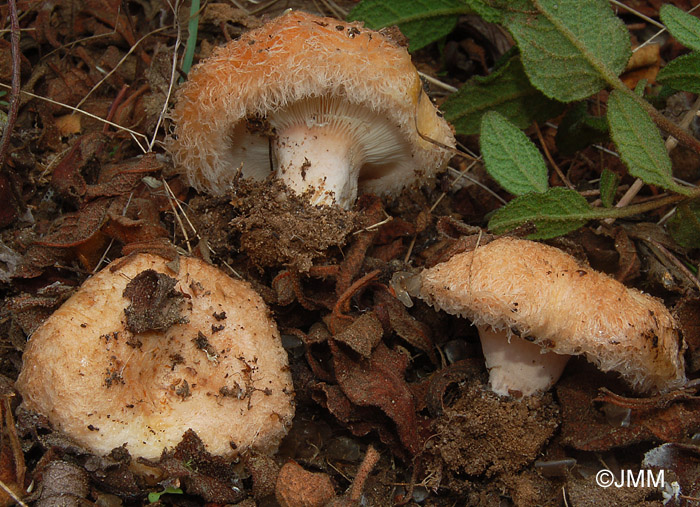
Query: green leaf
[[486, 11], [508, 91], [578, 129], [683, 26], [683, 73], [510, 157], [422, 21], [192, 28], [639, 142], [608, 187], [154, 496], [553, 213], [571, 49], [684, 225]]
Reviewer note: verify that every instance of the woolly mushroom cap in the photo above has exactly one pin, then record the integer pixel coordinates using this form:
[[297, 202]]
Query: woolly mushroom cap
[[141, 353], [330, 106], [546, 296]]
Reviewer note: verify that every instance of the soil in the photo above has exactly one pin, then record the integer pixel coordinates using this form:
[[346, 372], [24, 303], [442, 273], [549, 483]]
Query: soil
[[370, 373]]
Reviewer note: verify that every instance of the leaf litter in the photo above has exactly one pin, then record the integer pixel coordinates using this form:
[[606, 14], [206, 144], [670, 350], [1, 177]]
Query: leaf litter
[[370, 373]]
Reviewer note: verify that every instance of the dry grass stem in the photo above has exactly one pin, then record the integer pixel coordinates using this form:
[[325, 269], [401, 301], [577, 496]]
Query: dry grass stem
[[119, 63], [173, 73], [559, 172]]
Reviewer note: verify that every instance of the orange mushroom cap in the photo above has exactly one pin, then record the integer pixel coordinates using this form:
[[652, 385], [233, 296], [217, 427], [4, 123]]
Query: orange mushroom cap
[[306, 96], [546, 296], [217, 367]]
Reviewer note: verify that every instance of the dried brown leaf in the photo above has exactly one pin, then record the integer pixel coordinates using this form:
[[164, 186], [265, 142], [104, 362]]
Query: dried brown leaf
[[363, 334], [379, 382]]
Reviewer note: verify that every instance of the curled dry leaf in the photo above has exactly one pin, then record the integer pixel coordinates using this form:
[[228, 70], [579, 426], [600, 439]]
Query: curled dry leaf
[[379, 382], [586, 427], [362, 335], [63, 481], [111, 208], [67, 178], [404, 324], [210, 477], [119, 179]]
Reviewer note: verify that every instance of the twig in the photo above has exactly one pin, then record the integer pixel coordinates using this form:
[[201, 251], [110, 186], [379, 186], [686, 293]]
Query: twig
[[179, 206], [173, 72], [411, 245], [375, 226], [462, 174], [687, 119], [471, 179], [358, 483], [437, 82], [559, 172], [682, 267], [679, 133], [94, 117], [6, 487], [671, 143], [336, 9], [650, 20], [171, 199], [230, 268], [343, 302], [119, 63], [638, 14], [14, 101], [262, 7], [115, 105]]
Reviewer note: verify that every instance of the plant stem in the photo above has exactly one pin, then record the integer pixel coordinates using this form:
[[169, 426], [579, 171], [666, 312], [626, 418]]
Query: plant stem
[[14, 106], [637, 209], [661, 121]]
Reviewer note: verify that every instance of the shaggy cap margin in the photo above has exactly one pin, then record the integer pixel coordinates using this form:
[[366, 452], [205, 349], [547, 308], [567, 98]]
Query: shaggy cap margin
[[544, 294], [294, 57]]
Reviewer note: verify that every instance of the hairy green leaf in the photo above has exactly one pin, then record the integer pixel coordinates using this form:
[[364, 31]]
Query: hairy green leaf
[[683, 26], [508, 91], [571, 48], [509, 156], [553, 213], [608, 187], [579, 129], [486, 11], [422, 21], [639, 142], [683, 73], [684, 226]]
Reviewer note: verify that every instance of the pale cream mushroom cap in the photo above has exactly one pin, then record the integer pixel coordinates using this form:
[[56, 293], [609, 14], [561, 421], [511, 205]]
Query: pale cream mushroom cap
[[546, 296], [336, 94], [84, 372]]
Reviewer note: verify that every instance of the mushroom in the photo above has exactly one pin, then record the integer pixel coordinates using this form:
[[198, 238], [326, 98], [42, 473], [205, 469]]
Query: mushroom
[[535, 305], [330, 107], [142, 353]]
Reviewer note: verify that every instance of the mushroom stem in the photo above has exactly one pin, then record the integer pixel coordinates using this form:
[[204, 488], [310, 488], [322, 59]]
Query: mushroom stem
[[516, 366], [319, 158]]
